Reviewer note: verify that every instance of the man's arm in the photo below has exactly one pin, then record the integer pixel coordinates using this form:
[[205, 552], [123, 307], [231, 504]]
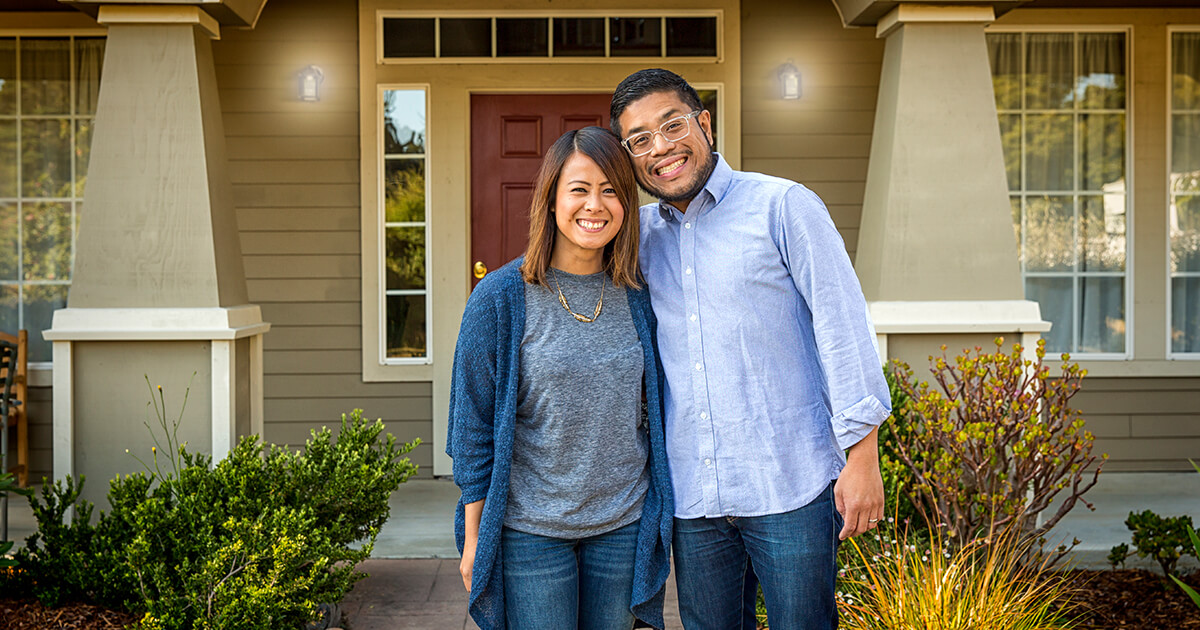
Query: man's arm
[[858, 493]]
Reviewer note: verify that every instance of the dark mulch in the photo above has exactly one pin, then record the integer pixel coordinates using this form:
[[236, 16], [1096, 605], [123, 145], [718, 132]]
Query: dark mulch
[[30, 615], [1135, 600]]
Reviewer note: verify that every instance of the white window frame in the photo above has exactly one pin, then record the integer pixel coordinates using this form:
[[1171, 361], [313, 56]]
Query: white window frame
[[1170, 115], [41, 372], [380, 366], [1129, 272], [551, 15]]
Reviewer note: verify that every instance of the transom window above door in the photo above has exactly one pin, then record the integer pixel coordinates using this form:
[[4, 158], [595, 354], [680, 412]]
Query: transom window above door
[[449, 37]]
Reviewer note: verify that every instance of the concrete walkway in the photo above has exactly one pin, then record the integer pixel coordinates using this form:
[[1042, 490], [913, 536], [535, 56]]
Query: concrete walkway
[[414, 582]]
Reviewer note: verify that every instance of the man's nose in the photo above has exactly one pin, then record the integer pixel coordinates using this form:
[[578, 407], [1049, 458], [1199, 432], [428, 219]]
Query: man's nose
[[661, 144]]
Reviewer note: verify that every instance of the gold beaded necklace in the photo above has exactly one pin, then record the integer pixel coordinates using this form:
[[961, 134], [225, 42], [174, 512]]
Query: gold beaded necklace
[[562, 299]]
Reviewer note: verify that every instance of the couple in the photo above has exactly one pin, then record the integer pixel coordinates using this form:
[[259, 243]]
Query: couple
[[744, 357]]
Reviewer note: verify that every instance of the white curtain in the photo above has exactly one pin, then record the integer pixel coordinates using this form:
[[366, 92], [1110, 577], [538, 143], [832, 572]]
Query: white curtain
[[1185, 192]]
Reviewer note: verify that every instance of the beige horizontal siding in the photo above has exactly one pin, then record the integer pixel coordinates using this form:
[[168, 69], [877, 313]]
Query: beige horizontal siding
[[822, 140], [1143, 423], [298, 219], [41, 433]]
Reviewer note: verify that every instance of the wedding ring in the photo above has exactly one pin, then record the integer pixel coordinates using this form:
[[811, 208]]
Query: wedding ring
[[872, 520]]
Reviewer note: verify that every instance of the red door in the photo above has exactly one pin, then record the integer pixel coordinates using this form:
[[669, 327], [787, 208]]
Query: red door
[[509, 135]]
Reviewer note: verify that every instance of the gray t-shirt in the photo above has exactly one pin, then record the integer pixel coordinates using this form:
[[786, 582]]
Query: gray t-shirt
[[580, 447]]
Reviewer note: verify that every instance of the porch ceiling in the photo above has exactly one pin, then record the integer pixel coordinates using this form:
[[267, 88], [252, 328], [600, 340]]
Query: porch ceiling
[[869, 12], [33, 5]]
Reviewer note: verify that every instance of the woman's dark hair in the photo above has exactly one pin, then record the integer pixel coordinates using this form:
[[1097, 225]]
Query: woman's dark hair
[[645, 82], [621, 253]]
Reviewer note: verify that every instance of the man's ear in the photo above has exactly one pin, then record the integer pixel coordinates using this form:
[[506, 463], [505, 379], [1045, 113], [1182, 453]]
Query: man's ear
[[705, 122]]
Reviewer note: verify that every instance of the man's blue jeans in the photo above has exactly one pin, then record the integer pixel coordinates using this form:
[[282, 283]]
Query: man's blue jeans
[[794, 556], [556, 583]]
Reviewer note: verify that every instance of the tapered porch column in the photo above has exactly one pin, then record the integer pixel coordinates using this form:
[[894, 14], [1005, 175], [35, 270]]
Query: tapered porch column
[[158, 291], [936, 253]]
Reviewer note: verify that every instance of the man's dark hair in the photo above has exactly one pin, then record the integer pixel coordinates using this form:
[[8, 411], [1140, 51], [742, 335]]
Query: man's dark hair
[[645, 82]]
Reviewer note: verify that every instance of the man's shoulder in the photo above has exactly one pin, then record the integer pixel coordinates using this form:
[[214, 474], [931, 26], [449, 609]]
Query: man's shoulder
[[764, 186]]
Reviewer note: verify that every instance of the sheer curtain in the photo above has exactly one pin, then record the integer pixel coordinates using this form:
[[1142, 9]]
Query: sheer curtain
[[1185, 193]]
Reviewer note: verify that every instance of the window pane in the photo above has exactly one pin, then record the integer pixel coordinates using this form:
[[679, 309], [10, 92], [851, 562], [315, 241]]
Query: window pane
[[40, 303], [46, 158], [405, 326], [46, 241], [1102, 315], [1185, 153], [83, 150], [1016, 218], [1185, 82], [1053, 295], [1049, 149], [404, 121], [1010, 139], [466, 37], [692, 37], [1102, 233], [1185, 314], [708, 99], [635, 37], [522, 37], [9, 244], [578, 37], [405, 258], [8, 158], [89, 57], [1004, 52], [1101, 80], [8, 75], [1102, 152], [45, 76], [1049, 70], [408, 37], [1185, 234], [1049, 234], [404, 191], [10, 301]]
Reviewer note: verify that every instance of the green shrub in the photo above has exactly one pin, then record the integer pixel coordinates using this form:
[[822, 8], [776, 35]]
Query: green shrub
[[993, 442], [9, 485], [1165, 540], [898, 484], [255, 541]]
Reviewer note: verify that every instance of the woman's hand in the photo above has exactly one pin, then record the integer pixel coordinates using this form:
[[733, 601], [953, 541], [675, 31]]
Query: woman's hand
[[472, 513]]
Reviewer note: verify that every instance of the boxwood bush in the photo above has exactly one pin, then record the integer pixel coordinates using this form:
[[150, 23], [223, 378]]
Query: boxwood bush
[[255, 541]]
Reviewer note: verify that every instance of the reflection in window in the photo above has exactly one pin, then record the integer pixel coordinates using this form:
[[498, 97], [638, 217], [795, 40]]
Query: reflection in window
[[47, 110], [405, 291], [1061, 100], [1184, 215]]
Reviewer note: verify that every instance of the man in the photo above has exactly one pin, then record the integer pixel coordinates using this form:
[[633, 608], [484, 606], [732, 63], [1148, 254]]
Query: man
[[772, 372]]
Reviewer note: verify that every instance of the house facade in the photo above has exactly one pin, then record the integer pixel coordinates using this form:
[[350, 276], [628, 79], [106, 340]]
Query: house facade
[[287, 202]]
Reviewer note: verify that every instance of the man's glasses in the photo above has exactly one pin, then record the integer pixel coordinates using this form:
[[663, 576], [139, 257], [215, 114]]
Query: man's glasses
[[673, 130]]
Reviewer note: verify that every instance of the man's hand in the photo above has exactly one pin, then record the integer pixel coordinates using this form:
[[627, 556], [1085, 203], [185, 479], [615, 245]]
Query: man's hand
[[858, 493]]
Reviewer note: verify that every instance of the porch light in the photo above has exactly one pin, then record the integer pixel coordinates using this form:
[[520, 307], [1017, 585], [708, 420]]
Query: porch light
[[310, 84], [789, 81]]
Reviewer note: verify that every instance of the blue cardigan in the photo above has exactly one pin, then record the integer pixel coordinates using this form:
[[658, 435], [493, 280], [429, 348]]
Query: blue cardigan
[[483, 408]]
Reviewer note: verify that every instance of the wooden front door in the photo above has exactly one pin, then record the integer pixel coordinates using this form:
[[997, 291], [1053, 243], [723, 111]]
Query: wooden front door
[[510, 134]]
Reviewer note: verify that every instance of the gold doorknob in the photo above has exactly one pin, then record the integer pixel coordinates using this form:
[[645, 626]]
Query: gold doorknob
[[480, 269]]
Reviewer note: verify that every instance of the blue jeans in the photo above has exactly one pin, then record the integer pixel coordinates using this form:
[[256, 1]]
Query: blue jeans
[[556, 583], [794, 556]]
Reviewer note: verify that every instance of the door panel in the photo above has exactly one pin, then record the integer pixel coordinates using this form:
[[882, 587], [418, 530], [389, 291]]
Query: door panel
[[509, 135]]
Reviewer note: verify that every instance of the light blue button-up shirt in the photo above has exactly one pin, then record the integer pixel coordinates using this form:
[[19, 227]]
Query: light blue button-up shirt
[[769, 353]]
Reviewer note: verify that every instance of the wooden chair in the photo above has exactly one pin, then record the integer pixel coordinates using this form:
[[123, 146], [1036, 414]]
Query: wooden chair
[[18, 414]]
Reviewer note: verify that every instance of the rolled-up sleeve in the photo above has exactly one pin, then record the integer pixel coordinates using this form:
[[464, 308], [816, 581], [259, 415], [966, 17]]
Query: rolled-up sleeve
[[845, 339]]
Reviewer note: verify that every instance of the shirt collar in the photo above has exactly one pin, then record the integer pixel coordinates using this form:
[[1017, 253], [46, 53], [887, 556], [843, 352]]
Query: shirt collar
[[716, 187]]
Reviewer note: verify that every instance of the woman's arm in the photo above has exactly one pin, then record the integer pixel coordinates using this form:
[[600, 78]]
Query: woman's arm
[[472, 513]]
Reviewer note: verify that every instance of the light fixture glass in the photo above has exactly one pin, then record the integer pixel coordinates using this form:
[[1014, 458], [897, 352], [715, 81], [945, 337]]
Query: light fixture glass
[[789, 81], [310, 83]]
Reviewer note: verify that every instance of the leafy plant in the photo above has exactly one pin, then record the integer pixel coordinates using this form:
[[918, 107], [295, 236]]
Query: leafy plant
[[1165, 540], [993, 442], [9, 485], [1191, 592], [255, 541], [923, 582]]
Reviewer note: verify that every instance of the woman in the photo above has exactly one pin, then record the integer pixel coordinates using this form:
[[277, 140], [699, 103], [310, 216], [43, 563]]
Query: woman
[[565, 514]]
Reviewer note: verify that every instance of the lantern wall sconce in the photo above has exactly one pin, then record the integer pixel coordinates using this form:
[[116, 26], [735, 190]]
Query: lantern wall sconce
[[789, 81], [310, 84]]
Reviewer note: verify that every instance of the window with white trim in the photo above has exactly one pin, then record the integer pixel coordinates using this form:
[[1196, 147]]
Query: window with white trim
[[1062, 102], [406, 301], [48, 90], [1184, 183]]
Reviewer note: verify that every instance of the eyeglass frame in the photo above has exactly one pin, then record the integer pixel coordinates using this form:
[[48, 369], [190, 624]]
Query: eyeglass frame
[[659, 131]]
